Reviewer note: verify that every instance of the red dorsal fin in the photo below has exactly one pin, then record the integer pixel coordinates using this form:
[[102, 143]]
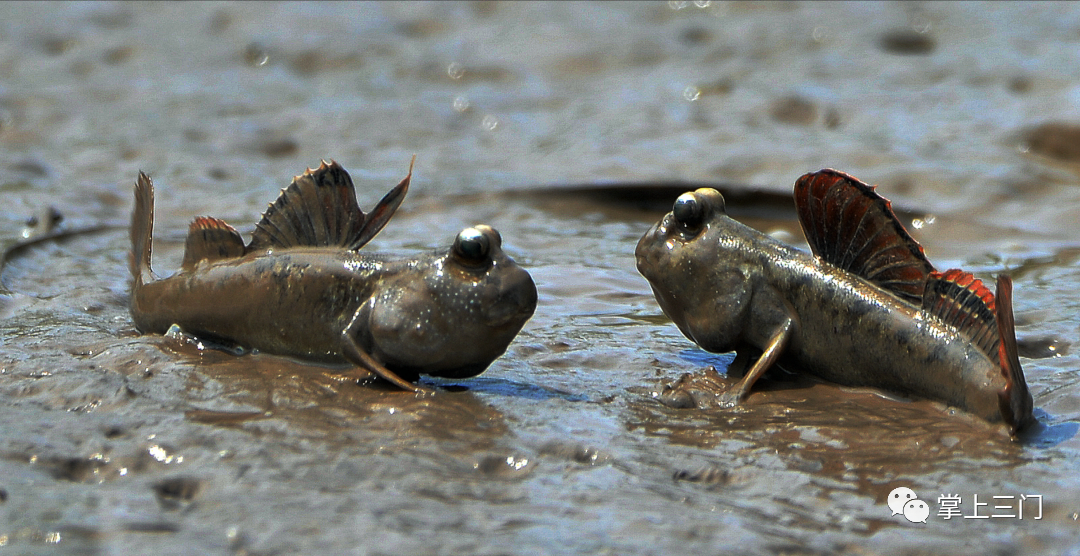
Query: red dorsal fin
[[211, 239], [963, 302], [1015, 399], [850, 226], [319, 209]]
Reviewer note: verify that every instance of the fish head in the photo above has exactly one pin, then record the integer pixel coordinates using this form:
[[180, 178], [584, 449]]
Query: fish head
[[699, 273], [451, 314]]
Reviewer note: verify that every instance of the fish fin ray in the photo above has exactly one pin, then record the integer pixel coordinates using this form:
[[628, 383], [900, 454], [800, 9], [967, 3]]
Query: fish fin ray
[[383, 211], [211, 239], [309, 212], [1015, 398], [319, 209], [142, 231], [850, 226], [961, 301], [769, 356]]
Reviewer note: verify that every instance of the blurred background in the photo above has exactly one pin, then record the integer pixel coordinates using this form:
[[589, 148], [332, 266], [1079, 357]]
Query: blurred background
[[965, 115]]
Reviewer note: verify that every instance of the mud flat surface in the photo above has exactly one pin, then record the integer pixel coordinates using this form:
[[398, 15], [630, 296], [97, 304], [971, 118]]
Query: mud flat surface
[[545, 121]]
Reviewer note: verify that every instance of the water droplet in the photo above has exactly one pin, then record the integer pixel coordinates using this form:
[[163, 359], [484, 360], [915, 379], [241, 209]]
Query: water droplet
[[921, 24], [703, 3], [461, 104], [677, 4], [162, 455], [489, 122], [256, 55], [691, 93], [455, 71], [819, 34]]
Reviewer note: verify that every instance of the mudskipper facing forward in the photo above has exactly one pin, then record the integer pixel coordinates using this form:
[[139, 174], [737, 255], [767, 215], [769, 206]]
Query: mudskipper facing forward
[[301, 288], [866, 309]]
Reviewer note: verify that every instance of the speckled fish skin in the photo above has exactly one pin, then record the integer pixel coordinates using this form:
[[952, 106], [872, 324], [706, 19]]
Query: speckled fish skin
[[424, 315], [445, 314], [729, 287]]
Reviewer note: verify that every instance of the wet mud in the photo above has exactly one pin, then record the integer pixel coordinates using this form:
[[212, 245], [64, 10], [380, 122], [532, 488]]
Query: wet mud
[[598, 431]]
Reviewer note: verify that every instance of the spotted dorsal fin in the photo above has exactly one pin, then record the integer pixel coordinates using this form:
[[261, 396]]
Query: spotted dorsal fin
[[319, 209], [211, 239], [963, 302], [851, 227]]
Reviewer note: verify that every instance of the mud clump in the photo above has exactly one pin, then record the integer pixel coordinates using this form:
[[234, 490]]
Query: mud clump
[[311, 62], [77, 470], [1057, 140], [794, 110], [118, 55], [694, 36], [176, 492], [279, 148], [707, 475], [907, 42], [1021, 84]]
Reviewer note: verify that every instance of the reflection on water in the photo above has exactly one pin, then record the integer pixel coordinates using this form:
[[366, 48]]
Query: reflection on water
[[502, 387]]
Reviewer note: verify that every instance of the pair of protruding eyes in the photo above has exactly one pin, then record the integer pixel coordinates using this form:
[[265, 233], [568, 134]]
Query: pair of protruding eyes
[[474, 245], [689, 211], [693, 208]]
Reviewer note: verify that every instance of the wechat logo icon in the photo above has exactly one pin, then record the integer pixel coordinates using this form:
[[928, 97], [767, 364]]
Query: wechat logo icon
[[903, 500]]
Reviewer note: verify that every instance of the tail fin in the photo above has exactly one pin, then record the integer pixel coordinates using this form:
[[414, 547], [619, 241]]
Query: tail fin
[[1015, 399], [142, 228]]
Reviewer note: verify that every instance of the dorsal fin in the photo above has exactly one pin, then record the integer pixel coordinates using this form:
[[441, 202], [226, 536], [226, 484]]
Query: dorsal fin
[[850, 226], [383, 211], [211, 239], [963, 302], [319, 209]]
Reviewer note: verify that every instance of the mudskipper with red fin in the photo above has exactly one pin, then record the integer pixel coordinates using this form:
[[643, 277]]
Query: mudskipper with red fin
[[865, 309]]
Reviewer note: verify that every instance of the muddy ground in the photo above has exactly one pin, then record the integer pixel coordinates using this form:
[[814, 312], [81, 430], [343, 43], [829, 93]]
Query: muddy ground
[[570, 127]]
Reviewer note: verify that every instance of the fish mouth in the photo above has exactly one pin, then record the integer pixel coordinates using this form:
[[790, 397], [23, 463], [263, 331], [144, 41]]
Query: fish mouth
[[515, 304], [645, 254], [512, 309]]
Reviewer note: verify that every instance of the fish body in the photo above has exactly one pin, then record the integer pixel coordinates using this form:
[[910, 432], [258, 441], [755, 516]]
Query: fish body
[[302, 289], [866, 309]]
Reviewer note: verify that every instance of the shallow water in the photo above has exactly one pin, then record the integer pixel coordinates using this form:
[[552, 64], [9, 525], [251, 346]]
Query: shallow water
[[546, 121]]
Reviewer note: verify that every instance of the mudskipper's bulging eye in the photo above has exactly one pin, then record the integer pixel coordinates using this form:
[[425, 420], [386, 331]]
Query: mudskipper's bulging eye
[[472, 245], [689, 211]]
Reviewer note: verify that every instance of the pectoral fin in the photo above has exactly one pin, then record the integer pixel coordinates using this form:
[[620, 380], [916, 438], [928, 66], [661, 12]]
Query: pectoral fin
[[768, 357], [357, 356]]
